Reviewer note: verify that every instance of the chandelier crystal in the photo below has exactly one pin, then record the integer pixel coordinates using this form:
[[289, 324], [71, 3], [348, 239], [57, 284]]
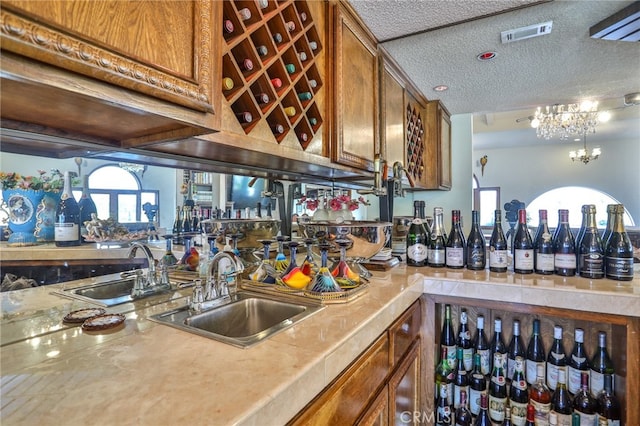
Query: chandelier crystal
[[566, 121], [583, 155]]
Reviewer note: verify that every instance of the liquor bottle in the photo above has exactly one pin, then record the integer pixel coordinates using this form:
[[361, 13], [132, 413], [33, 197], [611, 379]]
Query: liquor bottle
[[522, 246], [611, 209], [589, 249], [262, 98], [443, 375], [483, 418], [290, 68], [246, 64], [67, 220], [498, 388], [304, 96], [262, 50], [477, 386], [244, 117], [481, 346], [277, 38], [556, 359], [290, 111], [619, 251], [455, 245], [86, 205], [245, 13], [448, 339], [585, 406], [516, 349], [600, 364], [417, 239], [464, 342], [564, 246], [608, 404], [578, 362], [497, 344], [535, 353], [443, 407], [518, 393], [498, 258], [228, 27], [460, 381], [543, 246], [437, 249], [227, 83], [276, 83], [531, 416], [561, 402], [476, 255], [540, 397], [463, 414]]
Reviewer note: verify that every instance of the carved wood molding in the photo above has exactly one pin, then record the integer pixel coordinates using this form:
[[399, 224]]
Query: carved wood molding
[[37, 41]]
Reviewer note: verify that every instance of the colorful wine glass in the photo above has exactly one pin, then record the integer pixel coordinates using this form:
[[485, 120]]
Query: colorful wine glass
[[293, 277], [342, 272], [309, 265], [323, 281], [264, 273]]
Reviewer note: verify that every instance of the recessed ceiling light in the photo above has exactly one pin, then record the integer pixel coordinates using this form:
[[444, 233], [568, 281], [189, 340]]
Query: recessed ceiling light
[[441, 88], [486, 56]]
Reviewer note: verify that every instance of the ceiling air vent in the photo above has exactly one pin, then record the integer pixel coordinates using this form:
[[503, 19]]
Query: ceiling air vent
[[526, 32], [623, 25]]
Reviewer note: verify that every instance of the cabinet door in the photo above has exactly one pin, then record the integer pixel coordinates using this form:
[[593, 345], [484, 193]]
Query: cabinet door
[[444, 157], [404, 388], [355, 139], [392, 134], [377, 414], [439, 142]]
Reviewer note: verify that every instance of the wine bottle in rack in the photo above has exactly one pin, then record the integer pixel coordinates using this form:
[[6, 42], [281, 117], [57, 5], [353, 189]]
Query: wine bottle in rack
[[305, 96], [443, 407], [417, 239], [227, 83], [585, 406], [303, 17], [476, 253], [303, 136], [244, 117], [460, 381], [522, 246], [608, 404], [483, 418], [561, 402], [246, 64], [276, 83], [564, 246], [540, 397], [535, 353], [277, 38], [507, 417], [262, 98], [543, 246], [619, 251], [444, 374], [463, 342], [477, 385], [516, 348], [589, 249], [518, 393], [313, 83], [437, 254], [244, 13], [277, 129], [290, 26], [497, 343], [291, 68], [448, 339], [302, 56], [262, 50], [498, 388], [67, 220], [463, 414], [531, 416], [313, 45], [498, 252], [290, 111], [481, 346], [313, 121], [578, 362], [601, 364], [455, 246], [556, 359], [263, 4], [228, 27]]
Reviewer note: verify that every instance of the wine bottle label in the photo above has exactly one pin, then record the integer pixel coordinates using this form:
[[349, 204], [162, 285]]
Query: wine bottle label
[[485, 360], [532, 368], [562, 419], [444, 415], [518, 412], [496, 408], [511, 367], [476, 257], [592, 263], [451, 357], [574, 376], [542, 412], [498, 258], [455, 256], [596, 382], [417, 252], [585, 419], [613, 422], [437, 256], [552, 372], [565, 260], [456, 394], [474, 400], [523, 259], [544, 261], [66, 231], [467, 358], [617, 267]]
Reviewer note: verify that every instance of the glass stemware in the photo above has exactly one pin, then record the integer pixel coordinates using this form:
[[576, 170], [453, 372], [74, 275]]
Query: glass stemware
[[264, 273], [323, 281], [309, 266], [342, 272], [293, 276], [281, 263], [168, 259]]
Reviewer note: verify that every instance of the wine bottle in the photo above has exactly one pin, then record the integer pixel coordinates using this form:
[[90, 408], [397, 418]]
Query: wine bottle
[[186, 219], [578, 362], [601, 364], [67, 221], [227, 83], [611, 212], [290, 26], [564, 246], [443, 407], [437, 249], [177, 222], [276, 83], [518, 393], [464, 342], [245, 14], [313, 121], [244, 117], [498, 388], [483, 418], [303, 136], [522, 246], [507, 417], [246, 64], [290, 111], [313, 83], [589, 249], [498, 257], [86, 205], [277, 129], [535, 353], [476, 254], [608, 404], [497, 343], [302, 56], [481, 346], [304, 96], [290, 68], [228, 27], [543, 246], [516, 349], [619, 251], [463, 414], [313, 45], [455, 245], [561, 402], [448, 339], [540, 397], [417, 239], [263, 4], [262, 98], [477, 385], [460, 381], [585, 406], [443, 375], [581, 231], [277, 38], [531, 416], [303, 17], [262, 50], [556, 359]]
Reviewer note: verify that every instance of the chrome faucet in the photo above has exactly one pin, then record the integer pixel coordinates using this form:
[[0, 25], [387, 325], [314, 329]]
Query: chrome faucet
[[145, 287], [219, 283]]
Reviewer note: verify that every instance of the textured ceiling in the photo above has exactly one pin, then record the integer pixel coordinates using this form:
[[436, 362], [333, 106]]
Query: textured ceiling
[[437, 42]]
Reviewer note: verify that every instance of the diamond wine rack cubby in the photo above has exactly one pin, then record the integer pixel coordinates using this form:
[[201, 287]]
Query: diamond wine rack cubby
[[270, 67], [415, 143]]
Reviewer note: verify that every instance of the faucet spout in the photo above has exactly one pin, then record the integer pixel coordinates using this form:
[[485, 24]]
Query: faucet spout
[[147, 253], [223, 275]]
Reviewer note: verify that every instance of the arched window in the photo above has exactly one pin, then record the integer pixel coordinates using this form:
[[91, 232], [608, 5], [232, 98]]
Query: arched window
[[118, 193], [572, 198]]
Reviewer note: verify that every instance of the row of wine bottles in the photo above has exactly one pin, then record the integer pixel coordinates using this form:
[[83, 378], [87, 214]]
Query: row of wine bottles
[[514, 376], [588, 254], [72, 214]]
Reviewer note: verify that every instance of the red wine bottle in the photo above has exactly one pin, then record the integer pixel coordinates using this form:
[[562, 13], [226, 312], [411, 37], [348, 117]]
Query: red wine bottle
[[476, 254], [556, 359], [535, 353], [518, 393], [455, 246], [437, 249], [463, 414], [601, 364], [543, 246], [227, 27], [246, 64], [608, 404], [483, 418], [619, 251], [463, 342], [244, 117], [516, 349], [498, 257], [417, 239], [290, 26], [276, 83], [277, 38], [522, 246], [481, 346], [585, 406], [589, 247], [564, 246], [67, 220], [578, 362]]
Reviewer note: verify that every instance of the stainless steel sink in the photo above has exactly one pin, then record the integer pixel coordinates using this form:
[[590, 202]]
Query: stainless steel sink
[[243, 320], [108, 293]]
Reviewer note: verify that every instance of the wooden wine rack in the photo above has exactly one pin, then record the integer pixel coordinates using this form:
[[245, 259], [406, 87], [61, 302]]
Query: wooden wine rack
[[415, 143], [293, 61]]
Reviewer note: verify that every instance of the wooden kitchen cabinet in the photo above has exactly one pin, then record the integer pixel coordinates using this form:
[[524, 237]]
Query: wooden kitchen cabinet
[[438, 128], [112, 73]]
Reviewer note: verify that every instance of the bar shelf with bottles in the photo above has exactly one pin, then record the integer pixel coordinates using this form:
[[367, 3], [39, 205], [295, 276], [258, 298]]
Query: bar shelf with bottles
[[622, 342]]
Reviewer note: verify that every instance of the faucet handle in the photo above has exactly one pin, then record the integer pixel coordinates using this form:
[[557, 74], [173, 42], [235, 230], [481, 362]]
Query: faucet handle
[[197, 298]]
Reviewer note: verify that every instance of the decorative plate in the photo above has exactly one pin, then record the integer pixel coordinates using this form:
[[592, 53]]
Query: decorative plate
[[81, 315]]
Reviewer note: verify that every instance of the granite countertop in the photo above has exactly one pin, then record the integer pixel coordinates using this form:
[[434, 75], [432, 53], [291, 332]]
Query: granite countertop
[[147, 373]]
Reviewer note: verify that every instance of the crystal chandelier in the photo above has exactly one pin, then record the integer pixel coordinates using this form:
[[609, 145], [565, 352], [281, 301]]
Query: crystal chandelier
[[567, 120], [582, 154]]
